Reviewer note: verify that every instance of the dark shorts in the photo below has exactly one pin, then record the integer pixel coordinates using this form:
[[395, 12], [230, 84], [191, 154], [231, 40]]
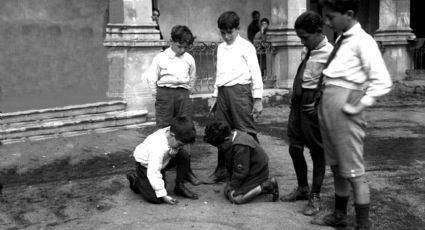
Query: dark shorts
[[303, 130], [342, 134]]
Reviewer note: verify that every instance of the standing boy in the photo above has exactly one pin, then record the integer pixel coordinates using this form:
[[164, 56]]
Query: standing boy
[[246, 164], [158, 153], [171, 78], [354, 78], [238, 88], [303, 126]]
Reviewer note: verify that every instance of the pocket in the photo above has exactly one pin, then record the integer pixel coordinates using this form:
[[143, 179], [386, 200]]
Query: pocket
[[354, 97]]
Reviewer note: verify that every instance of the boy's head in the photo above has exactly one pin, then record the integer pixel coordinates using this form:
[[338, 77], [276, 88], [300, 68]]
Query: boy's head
[[228, 24], [341, 14], [216, 133], [155, 15], [309, 27], [255, 15], [182, 131], [181, 39], [265, 23]]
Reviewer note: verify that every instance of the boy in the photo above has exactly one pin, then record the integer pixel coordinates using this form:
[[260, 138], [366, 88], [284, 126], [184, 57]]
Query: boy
[[245, 161], [171, 78], [303, 128], [354, 78], [158, 153], [238, 88]]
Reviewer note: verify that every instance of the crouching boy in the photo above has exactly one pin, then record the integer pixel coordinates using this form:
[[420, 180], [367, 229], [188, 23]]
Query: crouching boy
[[246, 164], [158, 153]]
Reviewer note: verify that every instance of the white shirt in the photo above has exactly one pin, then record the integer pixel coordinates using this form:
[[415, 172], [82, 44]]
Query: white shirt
[[358, 64], [169, 70], [238, 64], [154, 154], [314, 66]]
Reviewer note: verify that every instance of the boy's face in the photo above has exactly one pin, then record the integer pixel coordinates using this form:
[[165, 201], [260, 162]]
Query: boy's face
[[337, 21], [173, 142], [155, 16], [309, 40], [179, 48], [229, 35]]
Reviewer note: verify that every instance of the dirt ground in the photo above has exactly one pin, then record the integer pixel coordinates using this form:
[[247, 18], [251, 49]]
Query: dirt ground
[[79, 182]]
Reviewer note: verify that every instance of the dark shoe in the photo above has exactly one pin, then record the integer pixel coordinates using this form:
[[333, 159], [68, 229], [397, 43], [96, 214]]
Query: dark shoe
[[313, 206], [300, 193], [335, 219], [271, 187], [191, 178], [181, 190], [131, 177]]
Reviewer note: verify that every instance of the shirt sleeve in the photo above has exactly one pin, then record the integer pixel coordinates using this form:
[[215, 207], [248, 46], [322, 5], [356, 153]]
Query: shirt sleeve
[[154, 172], [254, 69], [192, 74], [153, 74], [241, 159], [379, 80], [215, 92]]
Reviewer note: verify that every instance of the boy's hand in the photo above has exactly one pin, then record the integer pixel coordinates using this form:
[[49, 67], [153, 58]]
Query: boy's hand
[[170, 200], [257, 108], [353, 109]]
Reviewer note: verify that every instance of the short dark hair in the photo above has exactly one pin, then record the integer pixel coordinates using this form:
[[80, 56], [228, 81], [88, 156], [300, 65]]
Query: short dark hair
[[228, 20], [309, 21], [183, 129], [255, 12], [265, 20], [182, 34], [216, 133], [342, 6], [157, 10]]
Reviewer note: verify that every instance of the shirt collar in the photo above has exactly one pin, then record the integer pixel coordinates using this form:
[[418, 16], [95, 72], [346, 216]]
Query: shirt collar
[[353, 30], [321, 43], [170, 53], [238, 37]]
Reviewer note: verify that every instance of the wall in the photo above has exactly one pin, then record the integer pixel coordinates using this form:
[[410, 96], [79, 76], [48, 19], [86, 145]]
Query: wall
[[201, 15], [52, 53]]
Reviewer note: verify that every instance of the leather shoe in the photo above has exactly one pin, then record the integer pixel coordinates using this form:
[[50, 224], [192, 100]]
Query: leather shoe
[[131, 177], [271, 187], [335, 219], [181, 190], [313, 205], [300, 193], [191, 178]]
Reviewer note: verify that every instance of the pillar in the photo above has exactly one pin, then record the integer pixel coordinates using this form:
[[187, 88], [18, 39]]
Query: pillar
[[132, 42], [393, 34], [286, 44]]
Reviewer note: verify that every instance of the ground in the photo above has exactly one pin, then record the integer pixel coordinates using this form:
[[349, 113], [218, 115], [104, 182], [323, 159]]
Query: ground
[[79, 182]]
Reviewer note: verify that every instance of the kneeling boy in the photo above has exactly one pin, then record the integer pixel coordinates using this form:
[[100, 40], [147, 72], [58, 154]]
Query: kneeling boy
[[246, 164], [158, 153]]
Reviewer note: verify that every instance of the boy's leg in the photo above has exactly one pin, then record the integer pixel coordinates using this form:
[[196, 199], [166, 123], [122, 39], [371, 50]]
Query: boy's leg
[[182, 162], [164, 106], [361, 201], [310, 129], [268, 187], [143, 185], [296, 151]]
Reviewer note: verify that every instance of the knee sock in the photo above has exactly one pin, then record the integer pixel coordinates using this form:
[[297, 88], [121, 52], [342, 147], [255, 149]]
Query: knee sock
[[341, 204], [300, 165], [319, 169], [362, 215]]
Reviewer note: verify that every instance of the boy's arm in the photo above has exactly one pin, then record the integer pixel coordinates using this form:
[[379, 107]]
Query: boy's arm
[[153, 75], [192, 75], [240, 166], [254, 69], [154, 172], [379, 80]]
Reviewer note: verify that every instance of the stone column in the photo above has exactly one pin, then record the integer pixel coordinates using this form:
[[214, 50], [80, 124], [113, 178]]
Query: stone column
[[282, 35], [132, 42], [393, 34]]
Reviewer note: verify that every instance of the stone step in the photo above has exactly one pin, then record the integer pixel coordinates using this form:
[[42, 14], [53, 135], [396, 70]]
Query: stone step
[[67, 111], [73, 126]]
